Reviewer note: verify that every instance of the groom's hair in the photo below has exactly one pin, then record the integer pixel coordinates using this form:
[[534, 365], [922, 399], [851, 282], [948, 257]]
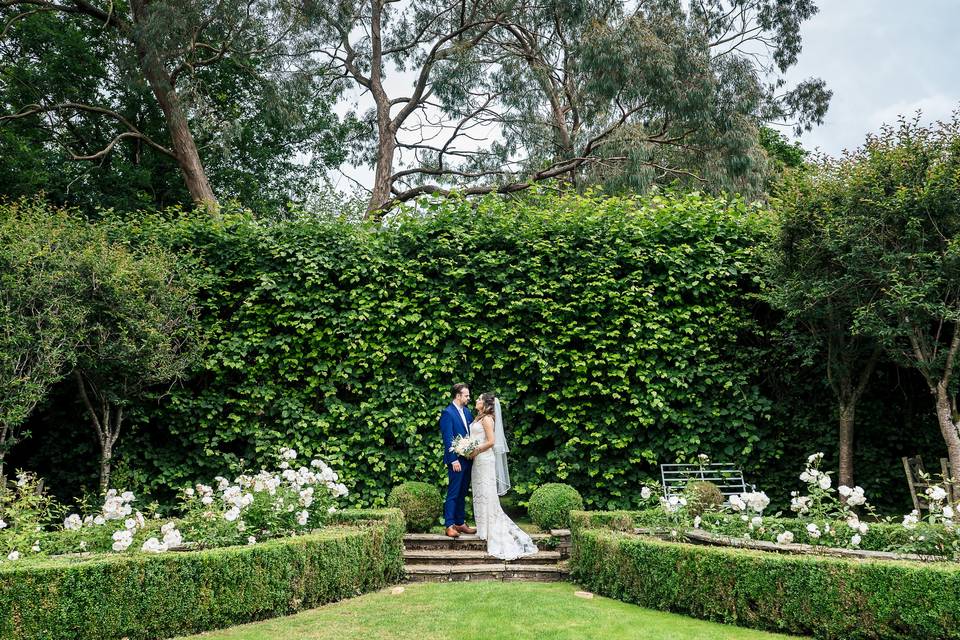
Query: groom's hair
[[456, 389]]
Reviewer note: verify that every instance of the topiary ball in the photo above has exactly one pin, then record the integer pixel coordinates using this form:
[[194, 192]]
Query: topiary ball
[[420, 502], [702, 496], [551, 504]]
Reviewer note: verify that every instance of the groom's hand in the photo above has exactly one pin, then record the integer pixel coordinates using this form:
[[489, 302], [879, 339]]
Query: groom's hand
[[455, 465]]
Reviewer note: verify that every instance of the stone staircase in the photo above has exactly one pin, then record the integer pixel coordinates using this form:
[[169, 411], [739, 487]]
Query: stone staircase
[[436, 558]]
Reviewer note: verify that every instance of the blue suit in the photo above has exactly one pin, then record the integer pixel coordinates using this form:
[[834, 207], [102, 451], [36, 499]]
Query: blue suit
[[451, 426]]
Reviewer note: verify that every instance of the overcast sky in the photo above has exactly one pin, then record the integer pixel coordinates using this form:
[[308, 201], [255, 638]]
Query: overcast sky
[[881, 58]]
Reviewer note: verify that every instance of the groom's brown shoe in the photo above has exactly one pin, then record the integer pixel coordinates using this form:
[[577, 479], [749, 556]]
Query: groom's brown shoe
[[463, 528], [452, 532]]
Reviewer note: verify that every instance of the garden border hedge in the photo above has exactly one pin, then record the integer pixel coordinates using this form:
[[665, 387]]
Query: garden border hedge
[[825, 597], [148, 596]]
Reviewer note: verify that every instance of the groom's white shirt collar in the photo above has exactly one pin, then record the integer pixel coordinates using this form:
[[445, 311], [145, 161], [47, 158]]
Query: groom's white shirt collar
[[462, 416]]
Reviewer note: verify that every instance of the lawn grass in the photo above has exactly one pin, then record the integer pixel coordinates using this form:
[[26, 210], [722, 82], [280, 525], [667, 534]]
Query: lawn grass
[[488, 610]]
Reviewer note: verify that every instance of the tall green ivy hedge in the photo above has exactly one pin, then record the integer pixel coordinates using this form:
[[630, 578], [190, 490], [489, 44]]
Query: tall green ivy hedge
[[617, 332], [142, 596]]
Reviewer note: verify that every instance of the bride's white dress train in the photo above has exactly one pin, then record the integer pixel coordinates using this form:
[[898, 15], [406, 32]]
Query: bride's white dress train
[[505, 540]]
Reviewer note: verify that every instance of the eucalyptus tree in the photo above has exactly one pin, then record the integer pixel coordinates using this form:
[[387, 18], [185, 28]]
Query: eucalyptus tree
[[221, 91], [632, 93], [505, 93]]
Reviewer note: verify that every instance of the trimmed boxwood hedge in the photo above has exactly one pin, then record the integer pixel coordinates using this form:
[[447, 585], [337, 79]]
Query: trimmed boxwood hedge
[[150, 596], [550, 505], [825, 597], [420, 503]]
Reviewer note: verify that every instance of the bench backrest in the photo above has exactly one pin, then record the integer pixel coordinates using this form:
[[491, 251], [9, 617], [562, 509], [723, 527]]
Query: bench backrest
[[726, 475]]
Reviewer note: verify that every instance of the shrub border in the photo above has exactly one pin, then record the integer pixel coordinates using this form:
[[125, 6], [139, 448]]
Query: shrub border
[[821, 596], [142, 596]]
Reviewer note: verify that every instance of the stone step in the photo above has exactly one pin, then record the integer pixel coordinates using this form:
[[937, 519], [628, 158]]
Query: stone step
[[435, 541], [474, 572], [463, 556]]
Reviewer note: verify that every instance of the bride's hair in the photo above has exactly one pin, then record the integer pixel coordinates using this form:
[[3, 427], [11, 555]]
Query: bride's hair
[[488, 403]]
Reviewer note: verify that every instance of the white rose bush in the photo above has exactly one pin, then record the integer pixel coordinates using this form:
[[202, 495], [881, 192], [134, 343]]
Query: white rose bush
[[264, 505], [290, 500], [821, 515]]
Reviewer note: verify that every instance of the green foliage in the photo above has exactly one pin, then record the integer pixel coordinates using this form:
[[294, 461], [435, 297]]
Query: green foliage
[[702, 496], [785, 155], [420, 503], [149, 596], [875, 238], [73, 299], [253, 116], [40, 315], [140, 329], [550, 505], [25, 509], [824, 597], [615, 331]]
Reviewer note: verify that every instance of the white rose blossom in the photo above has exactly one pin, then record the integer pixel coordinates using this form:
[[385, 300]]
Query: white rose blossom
[[72, 522], [122, 539], [13, 555], [645, 493], [785, 538], [152, 545]]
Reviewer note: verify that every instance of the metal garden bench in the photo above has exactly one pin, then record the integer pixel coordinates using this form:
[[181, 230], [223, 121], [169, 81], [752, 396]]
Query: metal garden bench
[[727, 476]]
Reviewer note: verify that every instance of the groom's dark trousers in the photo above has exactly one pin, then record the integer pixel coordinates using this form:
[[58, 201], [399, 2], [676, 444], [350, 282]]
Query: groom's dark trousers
[[452, 425]]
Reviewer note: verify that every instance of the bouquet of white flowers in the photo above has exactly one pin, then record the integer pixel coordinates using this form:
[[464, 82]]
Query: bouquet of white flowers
[[463, 446]]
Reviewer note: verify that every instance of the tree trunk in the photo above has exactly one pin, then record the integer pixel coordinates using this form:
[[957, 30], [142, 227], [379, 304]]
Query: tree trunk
[[383, 178], [847, 413], [107, 426], [948, 428], [4, 430], [184, 146], [106, 457], [386, 142]]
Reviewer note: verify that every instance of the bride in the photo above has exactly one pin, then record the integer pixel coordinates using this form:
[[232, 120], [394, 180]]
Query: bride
[[491, 479]]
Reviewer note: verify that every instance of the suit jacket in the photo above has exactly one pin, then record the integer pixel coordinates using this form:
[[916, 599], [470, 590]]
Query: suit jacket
[[452, 426]]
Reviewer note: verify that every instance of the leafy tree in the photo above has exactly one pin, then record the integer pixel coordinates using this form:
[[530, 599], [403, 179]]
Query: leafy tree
[[505, 94], [140, 330], [154, 101], [783, 153], [900, 196], [39, 315], [813, 280]]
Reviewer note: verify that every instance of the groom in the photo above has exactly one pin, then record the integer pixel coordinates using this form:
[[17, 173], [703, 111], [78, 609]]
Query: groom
[[454, 421]]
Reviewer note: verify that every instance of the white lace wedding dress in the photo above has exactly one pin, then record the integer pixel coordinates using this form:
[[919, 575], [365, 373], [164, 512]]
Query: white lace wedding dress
[[505, 540]]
